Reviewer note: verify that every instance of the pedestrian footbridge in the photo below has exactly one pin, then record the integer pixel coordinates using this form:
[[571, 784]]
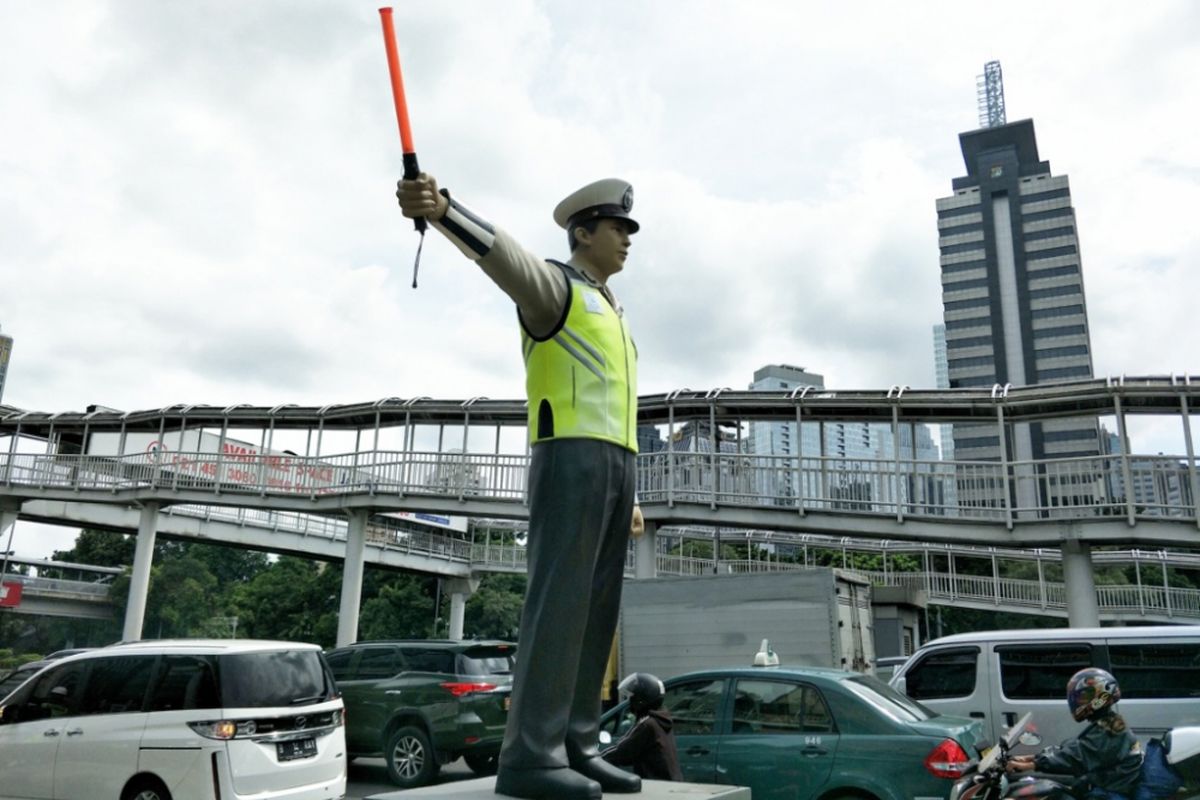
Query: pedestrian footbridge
[[186, 469], [57, 589]]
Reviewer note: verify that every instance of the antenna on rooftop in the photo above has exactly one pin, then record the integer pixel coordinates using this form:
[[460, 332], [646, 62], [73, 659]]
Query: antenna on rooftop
[[989, 90]]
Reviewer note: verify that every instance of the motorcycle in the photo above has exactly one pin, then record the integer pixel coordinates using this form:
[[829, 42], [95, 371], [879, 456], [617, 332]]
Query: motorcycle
[[1171, 769]]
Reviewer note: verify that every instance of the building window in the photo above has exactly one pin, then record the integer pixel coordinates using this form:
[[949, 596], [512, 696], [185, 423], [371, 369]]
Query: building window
[[970, 341], [1059, 352], [977, 441], [1051, 252], [996, 171], [1037, 197], [1053, 213], [963, 266], [943, 213], [1053, 272], [1065, 330], [1064, 372], [1055, 291], [1069, 436], [1058, 311], [1051, 233], [965, 247], [978, 361], [959, 286], [971, 322], [975, 302]]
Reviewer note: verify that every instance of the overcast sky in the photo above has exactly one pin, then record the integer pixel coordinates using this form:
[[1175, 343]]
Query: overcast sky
[[197, 198]]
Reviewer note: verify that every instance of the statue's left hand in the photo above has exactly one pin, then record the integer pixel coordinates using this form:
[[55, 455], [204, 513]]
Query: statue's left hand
[[638, 525]]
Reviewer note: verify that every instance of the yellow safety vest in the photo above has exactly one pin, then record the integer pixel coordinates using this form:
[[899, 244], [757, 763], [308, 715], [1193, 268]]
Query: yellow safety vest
[[581, 380]]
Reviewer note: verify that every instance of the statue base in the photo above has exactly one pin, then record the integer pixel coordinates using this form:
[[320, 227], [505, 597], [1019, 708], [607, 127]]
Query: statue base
[[485, 789]]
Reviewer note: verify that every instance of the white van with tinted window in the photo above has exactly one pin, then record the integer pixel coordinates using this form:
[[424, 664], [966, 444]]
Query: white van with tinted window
[[177, 720], [997, 676]]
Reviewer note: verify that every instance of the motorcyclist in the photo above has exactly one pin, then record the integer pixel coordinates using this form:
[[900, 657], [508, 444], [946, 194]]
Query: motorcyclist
[[649, 746], [1106, 753]]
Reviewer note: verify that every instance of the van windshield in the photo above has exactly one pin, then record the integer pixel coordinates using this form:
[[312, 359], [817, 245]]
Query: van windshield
[[276, 679]]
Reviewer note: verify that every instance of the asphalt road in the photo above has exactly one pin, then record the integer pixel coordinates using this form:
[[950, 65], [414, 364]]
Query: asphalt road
[[368, 776]]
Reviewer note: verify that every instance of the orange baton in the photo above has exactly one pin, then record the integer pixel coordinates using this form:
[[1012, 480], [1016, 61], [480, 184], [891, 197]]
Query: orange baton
[[411, 170]]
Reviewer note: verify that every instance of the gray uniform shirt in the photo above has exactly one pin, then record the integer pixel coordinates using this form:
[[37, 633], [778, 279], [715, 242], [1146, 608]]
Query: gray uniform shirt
[[537, 287]]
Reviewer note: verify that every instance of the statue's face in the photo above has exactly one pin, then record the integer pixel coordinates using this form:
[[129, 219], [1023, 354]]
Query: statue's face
[[607, 248]]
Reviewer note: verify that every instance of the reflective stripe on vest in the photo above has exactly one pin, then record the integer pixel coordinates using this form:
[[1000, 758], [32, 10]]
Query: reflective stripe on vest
[[582, 381]]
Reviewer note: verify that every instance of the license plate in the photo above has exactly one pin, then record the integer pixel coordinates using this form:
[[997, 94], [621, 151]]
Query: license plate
[[297, 748]]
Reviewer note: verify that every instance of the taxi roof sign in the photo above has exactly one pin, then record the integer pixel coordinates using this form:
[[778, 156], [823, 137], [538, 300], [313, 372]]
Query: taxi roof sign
[[765, 657]]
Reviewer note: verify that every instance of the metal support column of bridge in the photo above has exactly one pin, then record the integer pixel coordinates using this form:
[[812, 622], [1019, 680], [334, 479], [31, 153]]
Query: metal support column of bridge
[[352, 577], [645, 554], [1083, 611], [139, 579], [459, 589]]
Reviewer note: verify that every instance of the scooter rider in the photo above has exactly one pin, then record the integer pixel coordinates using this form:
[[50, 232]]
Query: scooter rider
[[1106, 753], [649, 746]]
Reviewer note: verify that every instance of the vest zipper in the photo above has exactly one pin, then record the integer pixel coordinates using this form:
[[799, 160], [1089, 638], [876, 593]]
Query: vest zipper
[[572, 386]]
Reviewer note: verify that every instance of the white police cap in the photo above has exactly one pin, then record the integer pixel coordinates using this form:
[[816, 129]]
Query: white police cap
[[610, 197]]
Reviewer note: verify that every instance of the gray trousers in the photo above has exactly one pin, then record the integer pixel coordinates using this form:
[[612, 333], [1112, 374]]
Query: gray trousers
[[580, 505]]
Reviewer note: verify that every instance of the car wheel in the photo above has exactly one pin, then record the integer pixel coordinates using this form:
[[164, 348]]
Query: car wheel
[[410, 758], [145, 789], [482, 764]]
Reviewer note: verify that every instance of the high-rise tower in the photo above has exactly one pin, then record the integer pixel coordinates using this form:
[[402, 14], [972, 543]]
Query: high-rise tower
[[6, 344], [1012, 291]]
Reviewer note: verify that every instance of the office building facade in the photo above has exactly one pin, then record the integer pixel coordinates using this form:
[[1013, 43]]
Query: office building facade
[[6, 345], [1013, 298]]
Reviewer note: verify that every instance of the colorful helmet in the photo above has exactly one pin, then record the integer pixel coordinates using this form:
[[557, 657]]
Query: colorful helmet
[[1091, 691], [645, 691]]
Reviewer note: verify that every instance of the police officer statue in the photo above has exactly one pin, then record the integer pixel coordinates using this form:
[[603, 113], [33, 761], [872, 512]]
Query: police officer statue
[[581, 381]]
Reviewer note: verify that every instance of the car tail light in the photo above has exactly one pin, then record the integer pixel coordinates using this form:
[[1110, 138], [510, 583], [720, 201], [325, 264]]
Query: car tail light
[[225, 729], [947, 760], [459, 689], [220, 729]]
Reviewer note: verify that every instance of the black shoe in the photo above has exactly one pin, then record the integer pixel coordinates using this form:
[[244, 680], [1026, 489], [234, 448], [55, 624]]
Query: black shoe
[[611, 778], [558, 783]]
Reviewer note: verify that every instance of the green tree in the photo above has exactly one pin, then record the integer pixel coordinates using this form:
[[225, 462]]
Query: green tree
[[494, 611], [401, 609], [295, 599], [100, 549], [183, 595]]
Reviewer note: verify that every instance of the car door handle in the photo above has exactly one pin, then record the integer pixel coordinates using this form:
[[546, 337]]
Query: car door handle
[[51, 732], [697, 750], [977, 715], [813, 750], [1010, 718], [75, 732]]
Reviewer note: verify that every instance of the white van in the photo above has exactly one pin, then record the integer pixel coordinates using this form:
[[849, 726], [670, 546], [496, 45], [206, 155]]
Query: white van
[[996, 676], [177, 720]]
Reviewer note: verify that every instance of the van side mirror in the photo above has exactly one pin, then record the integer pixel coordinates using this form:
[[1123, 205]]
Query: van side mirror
[[900, 684]]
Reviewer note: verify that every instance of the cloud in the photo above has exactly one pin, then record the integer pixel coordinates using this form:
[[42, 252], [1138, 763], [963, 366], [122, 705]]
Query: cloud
[[199, 208]]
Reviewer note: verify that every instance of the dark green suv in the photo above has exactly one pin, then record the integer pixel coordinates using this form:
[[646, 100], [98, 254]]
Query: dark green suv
[[424, 703]]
